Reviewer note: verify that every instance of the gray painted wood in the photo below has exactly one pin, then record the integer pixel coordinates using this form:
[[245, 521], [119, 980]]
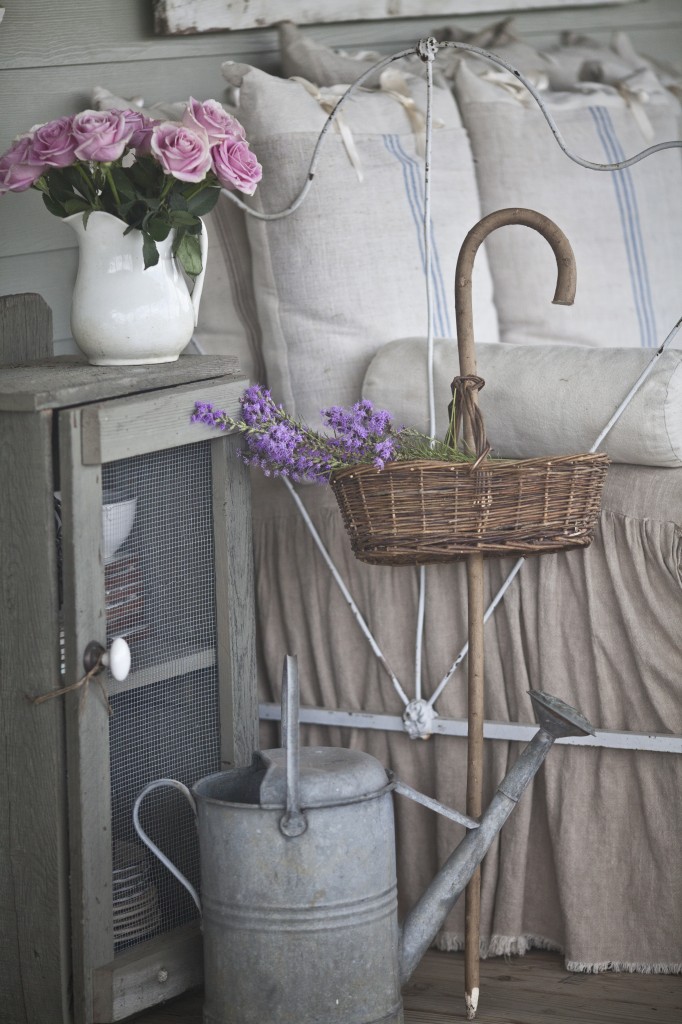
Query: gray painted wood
[[39, 874], [126, 427], [34, 950], [151, 972], [235, 603], [183, 17], [25, 329], [52, 55], [68, 380], [87, 718]]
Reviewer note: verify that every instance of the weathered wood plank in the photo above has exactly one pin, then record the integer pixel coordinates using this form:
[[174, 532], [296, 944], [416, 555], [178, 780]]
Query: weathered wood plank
[[40, 33], [183, 17], [70, 380], [87, 720], [34, 940], [235, 604], [25, 328], [126, 427], [51, 274], [158, 969], [533, 989]]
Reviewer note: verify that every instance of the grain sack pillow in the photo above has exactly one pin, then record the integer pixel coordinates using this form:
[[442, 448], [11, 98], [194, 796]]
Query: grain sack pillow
[[543, 399], [228, 324], [344, 273], [625, 227]]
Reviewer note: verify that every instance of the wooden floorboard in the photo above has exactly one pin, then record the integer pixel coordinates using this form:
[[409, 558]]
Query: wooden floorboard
[[533, 989]]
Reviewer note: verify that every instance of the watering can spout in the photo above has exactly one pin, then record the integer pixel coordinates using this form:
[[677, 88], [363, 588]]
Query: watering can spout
[[556, 719]]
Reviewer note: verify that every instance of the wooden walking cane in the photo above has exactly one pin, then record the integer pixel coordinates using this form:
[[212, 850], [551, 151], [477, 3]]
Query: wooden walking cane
[[465, 390]]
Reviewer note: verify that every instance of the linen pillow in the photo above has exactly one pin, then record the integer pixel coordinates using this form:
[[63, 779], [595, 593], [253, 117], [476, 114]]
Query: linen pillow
[[543, 399], [625, 227], [228, 323], [345, 273]]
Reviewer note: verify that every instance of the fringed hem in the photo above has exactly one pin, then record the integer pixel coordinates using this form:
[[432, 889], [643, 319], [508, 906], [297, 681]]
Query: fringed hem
[[616, 965], [498, 945], [518, 945]]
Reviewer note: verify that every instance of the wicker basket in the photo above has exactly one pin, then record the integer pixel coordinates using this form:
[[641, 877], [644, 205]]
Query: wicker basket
[[412, 513]]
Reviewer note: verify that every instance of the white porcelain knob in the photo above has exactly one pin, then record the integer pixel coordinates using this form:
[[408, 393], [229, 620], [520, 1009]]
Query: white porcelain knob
[[118, 659]]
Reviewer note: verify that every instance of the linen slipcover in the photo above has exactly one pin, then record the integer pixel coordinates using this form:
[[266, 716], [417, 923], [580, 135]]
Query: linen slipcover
[[588, 863]]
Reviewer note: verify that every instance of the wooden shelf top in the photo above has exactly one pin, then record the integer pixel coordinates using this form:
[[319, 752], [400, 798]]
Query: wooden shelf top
[[64, 381]]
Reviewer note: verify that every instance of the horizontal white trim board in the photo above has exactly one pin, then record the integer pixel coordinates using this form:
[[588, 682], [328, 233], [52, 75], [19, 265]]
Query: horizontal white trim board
[[660, 742], [182, 17]]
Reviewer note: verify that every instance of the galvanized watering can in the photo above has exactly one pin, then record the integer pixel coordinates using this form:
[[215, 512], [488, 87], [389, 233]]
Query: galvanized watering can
[[298, 876]]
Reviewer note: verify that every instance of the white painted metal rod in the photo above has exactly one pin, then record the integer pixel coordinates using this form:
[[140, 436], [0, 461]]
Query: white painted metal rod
[[662, 743], [345, 591], [384, 62], [518, 564]]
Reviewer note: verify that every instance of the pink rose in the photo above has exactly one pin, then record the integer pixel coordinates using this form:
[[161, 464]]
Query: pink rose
[[142, 127], [100, 134], [236, 165], [54, 144], [213, 119], [19, 168], [181, 152]]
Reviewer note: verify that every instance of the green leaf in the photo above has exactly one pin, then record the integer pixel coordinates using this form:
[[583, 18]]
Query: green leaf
[[182, 219], [189, 255], [203, 202], [177, 201], [158, 227], [53, 206], [76, 206], [60, 190], [123, 183], [150, 253]]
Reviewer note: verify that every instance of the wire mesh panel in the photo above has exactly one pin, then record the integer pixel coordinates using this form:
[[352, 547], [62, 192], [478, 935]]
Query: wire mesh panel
[[157, 539]]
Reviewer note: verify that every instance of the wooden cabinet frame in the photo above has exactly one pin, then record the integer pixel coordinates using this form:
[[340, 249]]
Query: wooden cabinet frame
[[57, 944]]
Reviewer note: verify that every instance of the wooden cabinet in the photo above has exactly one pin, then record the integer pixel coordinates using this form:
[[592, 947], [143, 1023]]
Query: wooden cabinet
[[118, 516]]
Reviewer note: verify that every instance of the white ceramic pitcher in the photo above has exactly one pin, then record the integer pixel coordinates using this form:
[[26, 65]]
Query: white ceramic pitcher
[[122, 313]]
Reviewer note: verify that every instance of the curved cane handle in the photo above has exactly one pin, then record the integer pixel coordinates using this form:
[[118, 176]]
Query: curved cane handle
[[152, 846], [563, 295]]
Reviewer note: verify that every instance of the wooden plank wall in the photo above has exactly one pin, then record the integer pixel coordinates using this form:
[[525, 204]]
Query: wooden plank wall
[[53, 54]]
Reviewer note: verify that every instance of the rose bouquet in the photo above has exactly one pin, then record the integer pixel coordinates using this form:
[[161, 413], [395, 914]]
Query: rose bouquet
[[156, 176], [361, 435]]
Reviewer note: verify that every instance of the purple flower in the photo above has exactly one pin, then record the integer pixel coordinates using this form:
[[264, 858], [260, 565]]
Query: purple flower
[[280, 446], [181, 152], [212, 118], [100, 134], [19, 168], [141, 126], [236, 166], [54, 143]]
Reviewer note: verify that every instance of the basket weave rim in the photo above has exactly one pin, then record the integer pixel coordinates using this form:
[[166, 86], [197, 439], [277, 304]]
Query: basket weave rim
[[487, 465]]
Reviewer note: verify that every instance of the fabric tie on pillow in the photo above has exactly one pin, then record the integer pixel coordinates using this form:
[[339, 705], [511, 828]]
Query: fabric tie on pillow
[[393, 83], [328, 98]]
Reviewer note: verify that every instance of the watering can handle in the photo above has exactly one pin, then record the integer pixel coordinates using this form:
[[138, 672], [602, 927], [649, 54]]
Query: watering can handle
[[199, 279], [293, 822], [152, 846]]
